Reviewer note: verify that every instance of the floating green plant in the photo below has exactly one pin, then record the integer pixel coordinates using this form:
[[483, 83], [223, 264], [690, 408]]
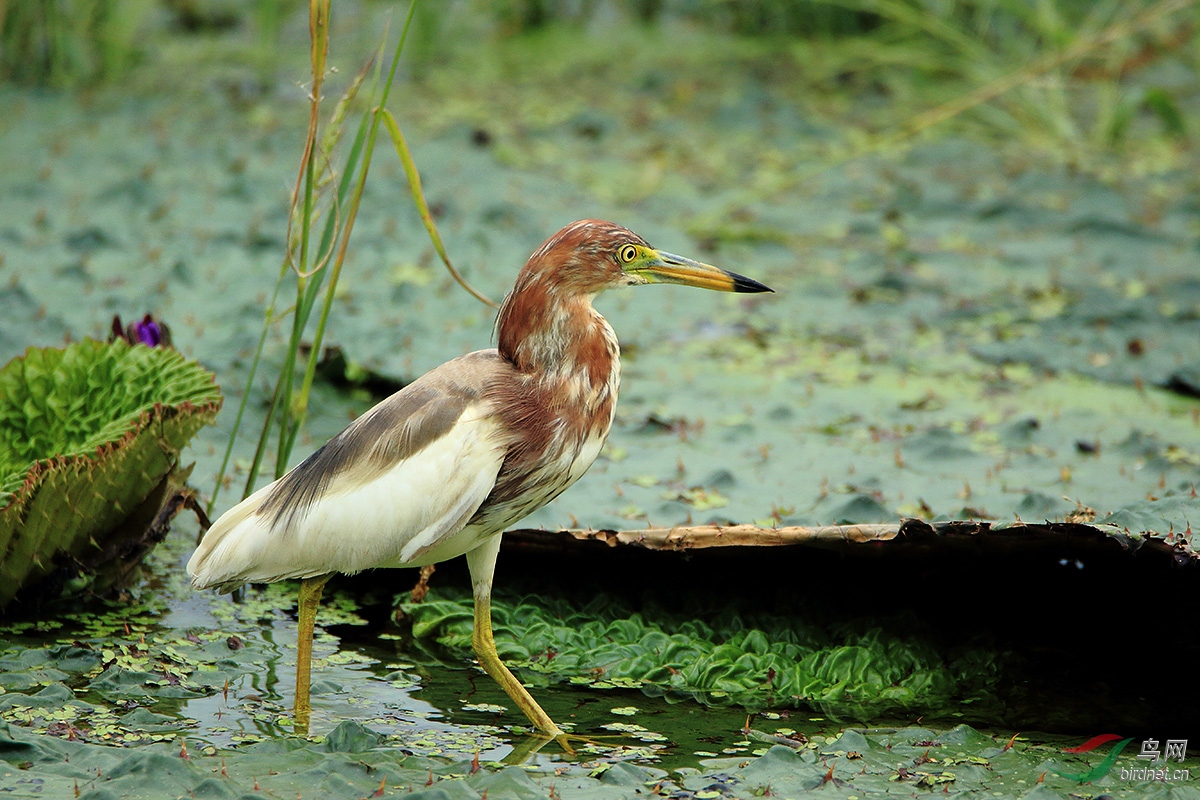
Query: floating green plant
[[757, 661], [89, 444]]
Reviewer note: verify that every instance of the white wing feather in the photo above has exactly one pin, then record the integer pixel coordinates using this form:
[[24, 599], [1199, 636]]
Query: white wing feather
[[411, 515]]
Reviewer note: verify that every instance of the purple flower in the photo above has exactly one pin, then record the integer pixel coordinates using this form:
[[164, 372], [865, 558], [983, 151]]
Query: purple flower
[[147, 331]]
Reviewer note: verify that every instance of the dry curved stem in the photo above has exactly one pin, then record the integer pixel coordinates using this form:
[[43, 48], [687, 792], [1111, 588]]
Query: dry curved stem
[[414, 183], [318, 28], [322, 260], [324, 156]]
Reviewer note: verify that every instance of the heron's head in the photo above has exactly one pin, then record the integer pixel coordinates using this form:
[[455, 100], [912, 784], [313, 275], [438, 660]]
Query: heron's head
[[589, 256], [547, 320]]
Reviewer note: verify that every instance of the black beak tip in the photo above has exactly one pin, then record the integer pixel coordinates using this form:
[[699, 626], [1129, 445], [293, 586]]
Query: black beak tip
[[748, 285]]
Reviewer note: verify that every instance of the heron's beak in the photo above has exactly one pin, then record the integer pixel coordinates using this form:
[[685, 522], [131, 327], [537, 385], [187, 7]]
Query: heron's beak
[[662, 267]]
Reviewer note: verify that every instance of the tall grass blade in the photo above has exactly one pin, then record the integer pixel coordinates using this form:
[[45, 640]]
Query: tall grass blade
[[300, 407], [418, 195]]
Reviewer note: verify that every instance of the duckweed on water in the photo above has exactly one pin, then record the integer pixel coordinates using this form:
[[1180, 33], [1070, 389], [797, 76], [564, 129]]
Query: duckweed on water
[[267, 600]]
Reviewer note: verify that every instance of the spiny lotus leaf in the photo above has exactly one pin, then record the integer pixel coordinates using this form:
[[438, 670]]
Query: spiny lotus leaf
[[89, 438], [847, 670]]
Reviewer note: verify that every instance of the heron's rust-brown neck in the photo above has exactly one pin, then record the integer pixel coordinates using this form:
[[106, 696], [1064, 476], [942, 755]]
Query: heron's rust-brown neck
[[564, 396], [547, 327], [550, 330]]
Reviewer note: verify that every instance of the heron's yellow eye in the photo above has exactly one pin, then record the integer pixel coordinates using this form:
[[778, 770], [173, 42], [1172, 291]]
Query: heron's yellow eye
[[628, 253]]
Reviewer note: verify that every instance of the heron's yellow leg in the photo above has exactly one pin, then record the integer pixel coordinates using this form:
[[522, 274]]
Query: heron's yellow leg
[[310, 599], [485, 649], [482, 562]]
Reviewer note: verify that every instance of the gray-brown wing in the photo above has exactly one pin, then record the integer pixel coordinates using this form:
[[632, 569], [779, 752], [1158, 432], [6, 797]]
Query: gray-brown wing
[[392, 431]]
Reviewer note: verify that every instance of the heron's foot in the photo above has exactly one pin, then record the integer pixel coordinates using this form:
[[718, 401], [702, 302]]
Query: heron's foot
[[530, 745], [300, 718], [533, 742]]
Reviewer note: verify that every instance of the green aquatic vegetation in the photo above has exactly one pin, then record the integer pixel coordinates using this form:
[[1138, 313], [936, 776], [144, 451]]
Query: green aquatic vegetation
[[265, 601], [125, 680], [122, 686], [755, 661], [355, 761], [90, 437], [75, 400], [1169, 516]]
